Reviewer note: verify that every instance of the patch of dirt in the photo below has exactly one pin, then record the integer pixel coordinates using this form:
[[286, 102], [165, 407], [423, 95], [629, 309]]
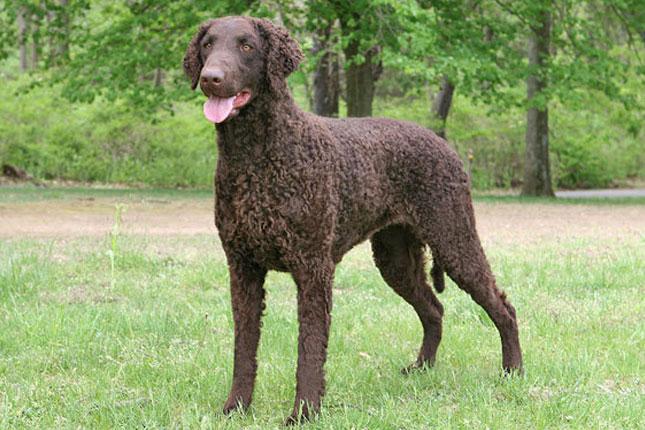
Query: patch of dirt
[[504, 223], [87, 217], [521, 223]]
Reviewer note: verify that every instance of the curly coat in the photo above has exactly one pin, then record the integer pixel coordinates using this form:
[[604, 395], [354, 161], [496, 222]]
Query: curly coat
[[295, 192]]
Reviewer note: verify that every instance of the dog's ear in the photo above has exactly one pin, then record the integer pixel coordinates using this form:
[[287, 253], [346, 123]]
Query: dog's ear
[[192, 61], [282, 54]]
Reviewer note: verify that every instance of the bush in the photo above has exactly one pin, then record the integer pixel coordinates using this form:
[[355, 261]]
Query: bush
[[579, 164], [595, 147], [107, 142]]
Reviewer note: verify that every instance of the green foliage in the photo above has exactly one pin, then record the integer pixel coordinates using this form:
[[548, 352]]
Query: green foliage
[[127, 109], [118, 48], [595, 147], [103, 141], [580, 164], [496, 139], [590, 148]]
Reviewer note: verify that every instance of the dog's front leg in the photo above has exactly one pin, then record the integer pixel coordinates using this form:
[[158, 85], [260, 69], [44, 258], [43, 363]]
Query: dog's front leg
[[247, 299], [314, 284]]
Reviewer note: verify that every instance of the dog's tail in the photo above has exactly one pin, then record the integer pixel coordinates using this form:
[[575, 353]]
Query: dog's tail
[[438, 279]]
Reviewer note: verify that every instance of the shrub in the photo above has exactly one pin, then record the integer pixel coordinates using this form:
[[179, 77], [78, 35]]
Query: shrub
[[109, 142], [53, 138]]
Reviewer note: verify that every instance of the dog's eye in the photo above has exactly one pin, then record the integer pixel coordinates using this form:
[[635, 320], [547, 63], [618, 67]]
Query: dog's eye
[[246, 47], [207, 45]]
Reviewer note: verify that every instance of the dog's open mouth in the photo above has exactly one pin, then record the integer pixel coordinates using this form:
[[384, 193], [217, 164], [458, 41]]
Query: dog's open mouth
[[218, 109]]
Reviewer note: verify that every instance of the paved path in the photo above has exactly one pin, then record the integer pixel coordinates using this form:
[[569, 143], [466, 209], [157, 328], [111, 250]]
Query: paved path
[[601, 193]]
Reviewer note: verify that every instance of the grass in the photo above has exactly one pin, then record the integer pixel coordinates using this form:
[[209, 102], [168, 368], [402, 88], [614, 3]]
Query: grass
[[150, 343], [27, 193], [596, 201]]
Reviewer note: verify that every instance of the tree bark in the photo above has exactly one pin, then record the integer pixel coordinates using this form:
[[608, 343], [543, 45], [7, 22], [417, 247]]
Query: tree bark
[[442, 103], [537, 172], [158, 79], [326, 75], [35, 54], [63, 46], [61, 50], [58, 28], [49, 19], [22, 35], [360, 80]]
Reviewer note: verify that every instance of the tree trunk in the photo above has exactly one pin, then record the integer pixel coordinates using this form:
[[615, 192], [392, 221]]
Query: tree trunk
[[63, 44], [34, 46], [60, 49], [537, 174], [360, 81], [58, 28], [442, 103], [22, 35], [326, 75], [158, 79], [49, 19], [359, 78]]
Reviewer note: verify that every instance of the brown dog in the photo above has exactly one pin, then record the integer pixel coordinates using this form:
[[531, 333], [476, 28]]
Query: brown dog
[[295, 192]]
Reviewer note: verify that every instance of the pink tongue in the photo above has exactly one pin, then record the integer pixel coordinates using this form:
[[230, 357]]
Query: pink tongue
[[217, 109]]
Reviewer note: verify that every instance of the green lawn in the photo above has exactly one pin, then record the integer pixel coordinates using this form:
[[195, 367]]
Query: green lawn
[[147, 342], [16, 194]]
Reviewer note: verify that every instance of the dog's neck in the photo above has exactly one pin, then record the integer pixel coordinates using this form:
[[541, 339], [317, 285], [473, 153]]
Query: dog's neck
[[270, 120]]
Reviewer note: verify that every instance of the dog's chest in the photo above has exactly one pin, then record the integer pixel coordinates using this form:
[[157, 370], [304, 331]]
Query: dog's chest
[[262, 211]]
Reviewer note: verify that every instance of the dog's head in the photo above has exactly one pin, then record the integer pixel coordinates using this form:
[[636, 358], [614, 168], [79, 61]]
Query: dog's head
[[234, 59]]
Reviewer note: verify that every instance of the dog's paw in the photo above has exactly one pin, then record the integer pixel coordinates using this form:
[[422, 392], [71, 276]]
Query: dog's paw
[[512, 372], [296, 419], [302, 413], [234, 405], [418, 366]]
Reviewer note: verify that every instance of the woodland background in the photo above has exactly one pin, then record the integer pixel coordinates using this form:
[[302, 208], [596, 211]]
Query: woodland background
[[547, 94]]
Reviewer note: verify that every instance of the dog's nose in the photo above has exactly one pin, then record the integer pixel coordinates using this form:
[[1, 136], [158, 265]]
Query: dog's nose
[[212, 76]]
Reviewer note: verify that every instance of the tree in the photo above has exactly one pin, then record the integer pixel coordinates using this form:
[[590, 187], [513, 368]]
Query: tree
[[35, 19], [360, 78], [356, 35], [442, 103], [22, 38], [449, 44], [58, 22], [321, 24], [131, 51], [537, 170], [630, 14], [326, 74], [569, 53], [357, 22], [118, 50], [464, 25]]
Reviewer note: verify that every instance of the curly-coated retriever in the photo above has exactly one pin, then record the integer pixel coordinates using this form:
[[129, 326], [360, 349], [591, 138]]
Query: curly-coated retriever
[[295, 192]]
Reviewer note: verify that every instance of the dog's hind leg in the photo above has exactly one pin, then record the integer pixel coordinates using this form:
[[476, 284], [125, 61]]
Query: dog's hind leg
[[247, 299], [398, 254], [449, 228]]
